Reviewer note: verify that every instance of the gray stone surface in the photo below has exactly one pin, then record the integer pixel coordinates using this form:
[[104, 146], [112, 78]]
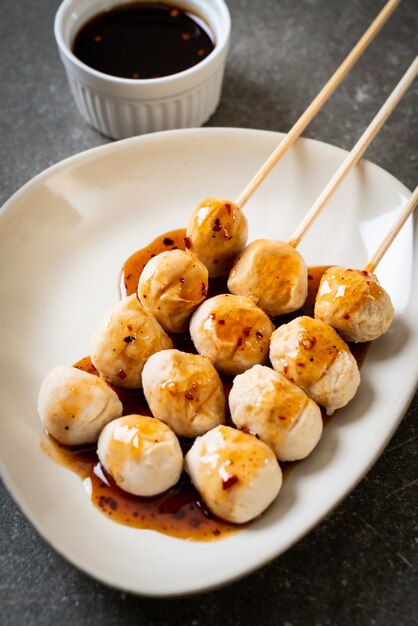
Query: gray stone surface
[[360, 565]]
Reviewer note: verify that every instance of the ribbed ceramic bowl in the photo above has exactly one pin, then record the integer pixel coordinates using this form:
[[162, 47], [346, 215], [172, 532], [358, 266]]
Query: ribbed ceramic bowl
[[123, 107]]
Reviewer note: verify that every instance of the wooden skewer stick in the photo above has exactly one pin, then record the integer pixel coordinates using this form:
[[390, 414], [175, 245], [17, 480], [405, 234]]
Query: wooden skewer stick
[[319, 101], [356, 153], [387, 241]]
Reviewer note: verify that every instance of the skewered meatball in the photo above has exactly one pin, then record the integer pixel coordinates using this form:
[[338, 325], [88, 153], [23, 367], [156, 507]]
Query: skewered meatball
[[353, 302], [142, 454], [236, 474], [232, 332], [272, 271], [171, 286], [123, 342], [279, 412], [311, 354], [74, 405], [216, 233], [184, 391]]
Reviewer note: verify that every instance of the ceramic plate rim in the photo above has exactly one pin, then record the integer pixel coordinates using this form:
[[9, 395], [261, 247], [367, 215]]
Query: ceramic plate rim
[[89, 155]]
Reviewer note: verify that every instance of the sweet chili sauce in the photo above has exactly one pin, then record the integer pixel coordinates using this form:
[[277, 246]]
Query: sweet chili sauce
[[180, 511], [143, 40]]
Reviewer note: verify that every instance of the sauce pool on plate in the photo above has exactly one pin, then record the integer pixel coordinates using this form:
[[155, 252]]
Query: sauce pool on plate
[[178, 512], [143, 41]]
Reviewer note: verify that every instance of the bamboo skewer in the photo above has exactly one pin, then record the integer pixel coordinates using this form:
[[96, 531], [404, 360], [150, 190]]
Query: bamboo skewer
[[356, 153], [388, 240], [319, 100]]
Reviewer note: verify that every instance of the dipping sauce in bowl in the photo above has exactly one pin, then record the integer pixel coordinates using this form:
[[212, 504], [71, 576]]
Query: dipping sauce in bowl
[[143, 40], [140, 67]]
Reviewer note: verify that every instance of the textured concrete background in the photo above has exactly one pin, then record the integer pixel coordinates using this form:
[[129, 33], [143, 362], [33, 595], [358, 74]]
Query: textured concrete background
[[360, 565]]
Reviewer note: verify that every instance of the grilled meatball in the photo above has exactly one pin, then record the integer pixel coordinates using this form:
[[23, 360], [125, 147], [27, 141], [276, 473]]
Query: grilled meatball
[[171, 286], [279, 412], [236, 474], [142, 454], [353, 302], [232, 332], [216, 233], [274, 273], [311, 354], [184, 391], [124, 340], [74, 405]]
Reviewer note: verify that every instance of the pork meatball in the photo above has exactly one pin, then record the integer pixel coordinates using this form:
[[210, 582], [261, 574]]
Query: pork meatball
[[311, 354], [232, 332], [142, 454], [274, 273], [236, 474], [353, 302], [74, 405], [216, 233], [124, 340], [279, 412], [171, 286], [184, 391]]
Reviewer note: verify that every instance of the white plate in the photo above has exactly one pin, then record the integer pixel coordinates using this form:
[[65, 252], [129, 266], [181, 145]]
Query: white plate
[[63, 239]]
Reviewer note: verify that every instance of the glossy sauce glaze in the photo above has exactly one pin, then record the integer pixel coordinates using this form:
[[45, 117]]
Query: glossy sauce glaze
[[143, 41], [180, 511]]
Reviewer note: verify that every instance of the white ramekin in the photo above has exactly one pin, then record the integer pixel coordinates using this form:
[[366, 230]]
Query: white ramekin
[[123, 107]]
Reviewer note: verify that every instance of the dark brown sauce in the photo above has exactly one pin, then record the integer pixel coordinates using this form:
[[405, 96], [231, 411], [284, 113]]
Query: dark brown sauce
[[180, 511], [143, 41]]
